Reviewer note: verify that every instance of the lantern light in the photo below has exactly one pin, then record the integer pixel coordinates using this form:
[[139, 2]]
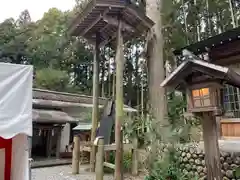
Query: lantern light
[[205, 97]]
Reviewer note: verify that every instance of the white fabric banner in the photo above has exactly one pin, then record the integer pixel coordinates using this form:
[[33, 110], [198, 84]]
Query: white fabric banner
[[15, 99]]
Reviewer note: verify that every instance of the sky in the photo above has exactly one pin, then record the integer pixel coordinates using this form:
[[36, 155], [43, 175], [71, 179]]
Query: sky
[[36, 8]]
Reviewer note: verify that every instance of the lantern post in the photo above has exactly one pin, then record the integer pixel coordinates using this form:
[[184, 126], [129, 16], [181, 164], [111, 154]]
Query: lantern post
[[202, 81], [205, 102]]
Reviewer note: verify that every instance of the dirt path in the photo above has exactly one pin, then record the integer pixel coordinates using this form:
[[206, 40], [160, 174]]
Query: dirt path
[[64, 173]]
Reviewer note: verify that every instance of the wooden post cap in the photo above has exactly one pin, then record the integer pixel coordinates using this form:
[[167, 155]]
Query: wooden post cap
[[95, 143]]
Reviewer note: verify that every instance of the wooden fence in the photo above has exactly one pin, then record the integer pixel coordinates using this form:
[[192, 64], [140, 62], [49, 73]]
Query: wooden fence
[[100, 164]]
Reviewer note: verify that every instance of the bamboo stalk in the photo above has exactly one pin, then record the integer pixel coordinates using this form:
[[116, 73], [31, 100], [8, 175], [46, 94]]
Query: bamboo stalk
[[119, 103], [95, 100]]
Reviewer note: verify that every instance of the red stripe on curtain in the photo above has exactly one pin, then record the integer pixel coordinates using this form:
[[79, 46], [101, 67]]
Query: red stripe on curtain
[[7, 145]]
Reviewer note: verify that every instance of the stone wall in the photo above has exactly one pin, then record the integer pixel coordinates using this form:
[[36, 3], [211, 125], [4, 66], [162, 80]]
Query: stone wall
[[193, 163]]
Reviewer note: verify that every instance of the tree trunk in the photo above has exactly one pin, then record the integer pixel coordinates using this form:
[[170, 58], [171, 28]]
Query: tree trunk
[[156, 74], [155, 62]]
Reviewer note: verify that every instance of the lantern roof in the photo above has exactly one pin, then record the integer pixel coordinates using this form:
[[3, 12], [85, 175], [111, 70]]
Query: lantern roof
[[195, 70], [101, 16], [212, 42]]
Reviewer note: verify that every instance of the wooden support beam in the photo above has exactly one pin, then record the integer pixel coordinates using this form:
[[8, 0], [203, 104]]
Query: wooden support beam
[[109, 165], [49, 143], [95, 22], [76, 155], [140, 16], [113, 21], [212, 155], [59, 134], [95, 109], [99, 159], [135, 157], [119, 103]]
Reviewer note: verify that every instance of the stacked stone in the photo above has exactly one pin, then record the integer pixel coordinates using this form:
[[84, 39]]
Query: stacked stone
[[193, 163]]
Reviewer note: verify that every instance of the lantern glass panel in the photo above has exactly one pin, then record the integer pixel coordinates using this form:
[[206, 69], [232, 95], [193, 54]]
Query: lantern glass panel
[[196, 93], [197, 103], [200, 92], [204, 91], [207, 102]]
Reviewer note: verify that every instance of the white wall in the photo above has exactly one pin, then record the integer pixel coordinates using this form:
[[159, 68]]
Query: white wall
[[65, 136]]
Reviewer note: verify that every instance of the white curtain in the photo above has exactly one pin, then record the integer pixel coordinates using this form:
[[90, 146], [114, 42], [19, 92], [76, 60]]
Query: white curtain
[[15, 99]]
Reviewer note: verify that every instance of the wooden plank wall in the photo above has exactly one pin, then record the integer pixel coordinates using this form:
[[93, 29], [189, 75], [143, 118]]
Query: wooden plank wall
[[230, 128]]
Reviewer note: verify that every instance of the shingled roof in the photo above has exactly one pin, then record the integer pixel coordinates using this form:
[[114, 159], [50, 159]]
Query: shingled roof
[[212, 42], [47, 98]]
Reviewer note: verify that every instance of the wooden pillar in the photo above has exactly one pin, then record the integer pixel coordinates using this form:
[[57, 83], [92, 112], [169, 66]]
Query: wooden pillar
[[76, 155], [49, 143], [95, 100], [212, 155], [219, 129], [100, 159], [135, 157], [119, 103], [59, 134]]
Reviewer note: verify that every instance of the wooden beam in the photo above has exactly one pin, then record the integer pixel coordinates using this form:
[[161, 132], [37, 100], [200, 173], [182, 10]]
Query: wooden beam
[[76, 155], [141, 16], [109, 165], [49, 143], [212, 155], [109, 147], [95, 111], [103, 43], [80, 17], [119, 103], [113, 147], [59, 134], [95, 22], [99, 159], [111, 5], [135, 157], [113, 21]]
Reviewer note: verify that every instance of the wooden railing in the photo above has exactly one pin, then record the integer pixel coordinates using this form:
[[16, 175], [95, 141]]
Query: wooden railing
[[100, 164], [101, 148]]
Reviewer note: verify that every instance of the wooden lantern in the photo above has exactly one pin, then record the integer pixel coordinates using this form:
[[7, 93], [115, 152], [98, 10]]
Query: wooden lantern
[[205, 97]]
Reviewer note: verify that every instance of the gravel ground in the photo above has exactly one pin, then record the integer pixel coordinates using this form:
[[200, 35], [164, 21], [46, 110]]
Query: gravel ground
[[64, 173]]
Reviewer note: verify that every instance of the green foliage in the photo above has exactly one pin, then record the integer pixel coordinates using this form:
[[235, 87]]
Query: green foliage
[[127, 160], [167, 168], [51, 79]]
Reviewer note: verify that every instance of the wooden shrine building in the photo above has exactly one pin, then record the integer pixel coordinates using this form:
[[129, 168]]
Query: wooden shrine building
[[222, 49], [55, 114]]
